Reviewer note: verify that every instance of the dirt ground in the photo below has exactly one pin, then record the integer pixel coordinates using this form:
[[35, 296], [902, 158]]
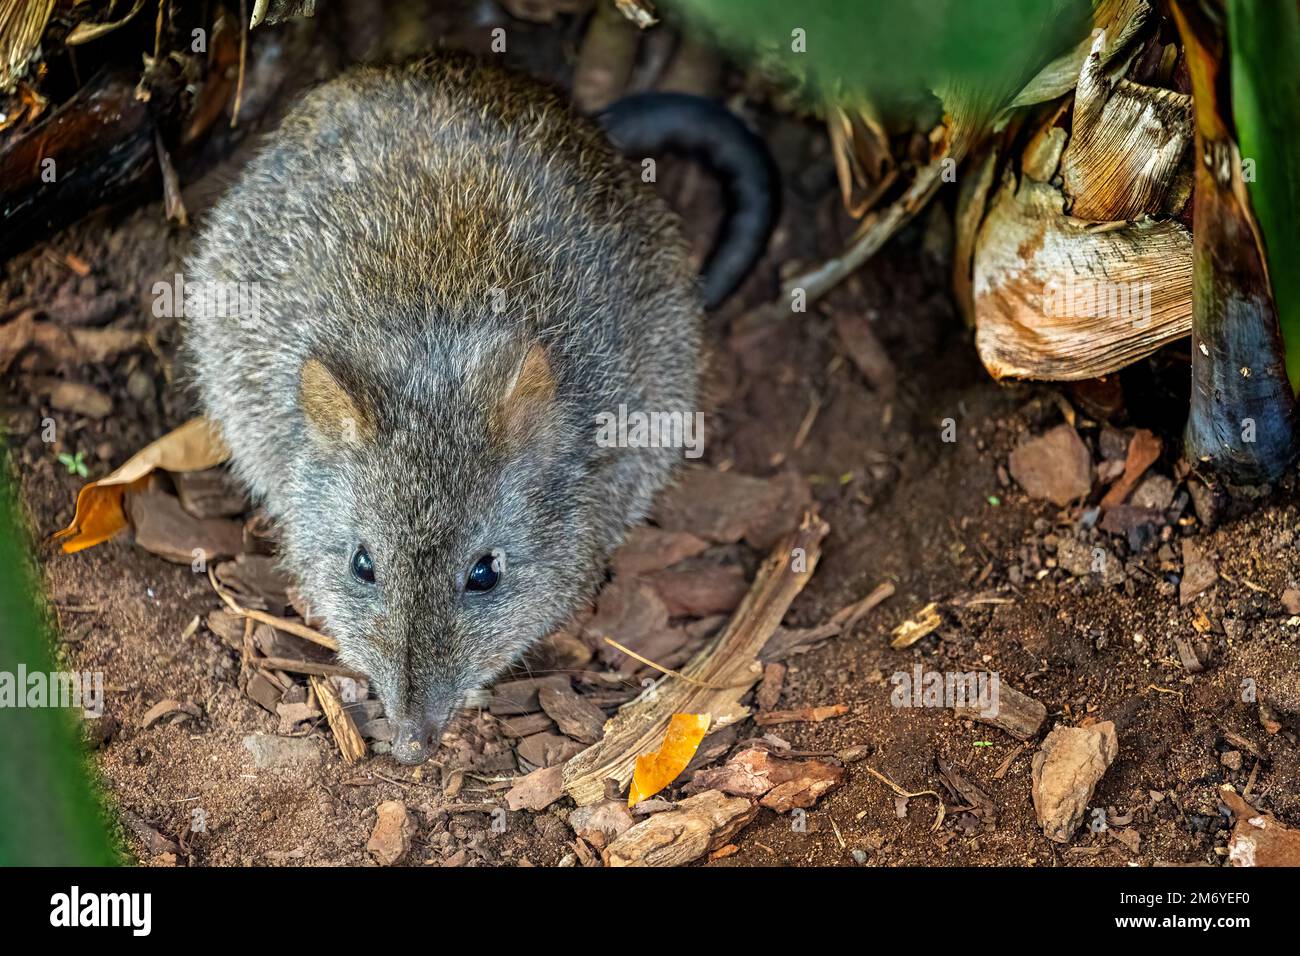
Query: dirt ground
[[942, 520]]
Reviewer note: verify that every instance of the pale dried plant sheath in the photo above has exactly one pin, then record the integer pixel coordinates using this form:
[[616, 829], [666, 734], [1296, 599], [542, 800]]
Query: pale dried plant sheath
[[21, 24], [1128, 147], [1036, 269]]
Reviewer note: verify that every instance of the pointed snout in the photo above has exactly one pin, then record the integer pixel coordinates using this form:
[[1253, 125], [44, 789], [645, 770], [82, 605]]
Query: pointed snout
[[414, 741], [417, 735]]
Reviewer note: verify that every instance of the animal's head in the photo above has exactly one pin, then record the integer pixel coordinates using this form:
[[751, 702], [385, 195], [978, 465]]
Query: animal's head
[[441, 532]]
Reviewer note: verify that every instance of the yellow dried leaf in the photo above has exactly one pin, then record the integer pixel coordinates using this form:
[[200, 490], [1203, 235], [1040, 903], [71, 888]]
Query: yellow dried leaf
[[654, 771], [195, 446]]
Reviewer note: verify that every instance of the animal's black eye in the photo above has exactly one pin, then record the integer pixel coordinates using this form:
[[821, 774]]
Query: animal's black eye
[[484, 575], [363, 566]]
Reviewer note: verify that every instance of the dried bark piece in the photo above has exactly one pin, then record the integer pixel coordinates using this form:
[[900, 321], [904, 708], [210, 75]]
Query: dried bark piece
[[1199, 573], [513, 697], [574, 716], [866, 352], [647, 550], [699, 592], [781, 784], [601, 823], [191, 447], [694, 827], [913, 629], [1143, 451], [526, 725], [547, 750], [815, 778], [726, 506], [811, 715], [769, 690], [165, 708], [537, 790], [212, 493], [163, 528], [259, 582], [1065, 771], [1018, 714]]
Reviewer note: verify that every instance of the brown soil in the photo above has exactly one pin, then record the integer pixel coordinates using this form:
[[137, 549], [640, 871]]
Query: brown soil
[[940, 520]]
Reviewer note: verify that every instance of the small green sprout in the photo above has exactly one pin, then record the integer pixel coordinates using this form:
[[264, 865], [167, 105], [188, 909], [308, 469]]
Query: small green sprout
[[994, 500], [74, 463]]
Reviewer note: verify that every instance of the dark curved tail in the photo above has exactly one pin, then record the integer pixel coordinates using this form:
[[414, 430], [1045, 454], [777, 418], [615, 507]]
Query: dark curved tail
[[649, 123]]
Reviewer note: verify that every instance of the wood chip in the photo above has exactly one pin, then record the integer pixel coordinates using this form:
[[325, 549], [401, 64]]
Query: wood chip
[[1055, 466], [351, 744], [1066, 770], [1199, 573], [769, 691], [213, 493], [699, 592], [912, 630], [696, 826], [779, 784], [513, 697], [1018, 714], [165, 708], [1143, 451]]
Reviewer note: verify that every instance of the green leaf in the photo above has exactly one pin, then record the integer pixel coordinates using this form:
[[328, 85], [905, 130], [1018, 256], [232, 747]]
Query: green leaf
[[1264, 41], [896, 51], [49, 813]]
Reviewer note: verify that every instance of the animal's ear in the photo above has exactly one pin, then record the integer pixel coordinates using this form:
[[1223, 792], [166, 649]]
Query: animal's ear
[[530, 392], [333, 414]]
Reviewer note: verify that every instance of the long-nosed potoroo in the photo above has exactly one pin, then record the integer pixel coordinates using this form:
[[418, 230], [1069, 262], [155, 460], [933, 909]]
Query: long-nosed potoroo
[[441, 276]]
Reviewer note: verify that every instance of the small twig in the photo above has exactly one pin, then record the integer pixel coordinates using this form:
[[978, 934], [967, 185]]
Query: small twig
[[668, 670], [243, 59], [938, 820], [848, 616], [280, 623], [346, 735], [1006, 764], [809, 418], [314, 668]]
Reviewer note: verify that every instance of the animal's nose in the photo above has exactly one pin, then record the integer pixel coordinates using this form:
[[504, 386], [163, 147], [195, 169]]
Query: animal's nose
[[414, 741]]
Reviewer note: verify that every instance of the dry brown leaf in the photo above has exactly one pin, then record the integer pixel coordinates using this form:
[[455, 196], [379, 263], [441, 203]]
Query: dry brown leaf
[[656, 770], [194, 446]]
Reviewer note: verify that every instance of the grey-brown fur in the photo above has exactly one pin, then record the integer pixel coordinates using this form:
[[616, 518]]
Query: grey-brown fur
[[376, 222]]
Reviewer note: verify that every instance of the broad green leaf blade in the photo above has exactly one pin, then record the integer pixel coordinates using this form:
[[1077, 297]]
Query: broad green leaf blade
[[1264, 40], [49, 814], [897, 51]]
